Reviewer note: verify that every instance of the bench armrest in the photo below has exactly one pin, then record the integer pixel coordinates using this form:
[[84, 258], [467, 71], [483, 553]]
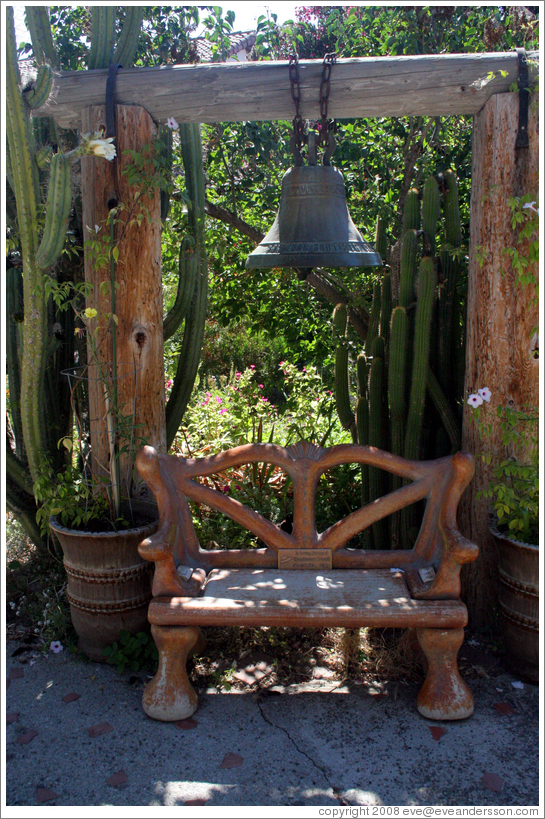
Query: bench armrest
[[170, 580], [454, 548]]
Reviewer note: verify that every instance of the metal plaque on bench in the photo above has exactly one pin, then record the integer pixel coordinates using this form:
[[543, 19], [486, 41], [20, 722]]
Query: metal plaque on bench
[[304, 559]]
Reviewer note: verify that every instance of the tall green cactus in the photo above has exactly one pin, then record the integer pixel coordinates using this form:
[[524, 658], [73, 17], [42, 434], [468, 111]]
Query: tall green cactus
[[342, 389], [40, 195], [37, 21], [406, 339], [421, 352], [102, 36], [24, 173], [378, 433], [193, 269]]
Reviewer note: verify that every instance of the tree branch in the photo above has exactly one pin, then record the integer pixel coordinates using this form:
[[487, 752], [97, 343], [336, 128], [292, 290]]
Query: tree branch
[[359, 318], [230, 218]]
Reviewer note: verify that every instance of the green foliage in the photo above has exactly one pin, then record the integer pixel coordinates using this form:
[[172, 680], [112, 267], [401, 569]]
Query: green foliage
[[68, 498], [514, 484], [237, 412], [132, 652], [524, 255], [380, 31]]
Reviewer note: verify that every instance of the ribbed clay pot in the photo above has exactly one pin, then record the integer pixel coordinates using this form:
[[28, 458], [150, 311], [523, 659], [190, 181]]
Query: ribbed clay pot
[[519, 604], [109, 585]]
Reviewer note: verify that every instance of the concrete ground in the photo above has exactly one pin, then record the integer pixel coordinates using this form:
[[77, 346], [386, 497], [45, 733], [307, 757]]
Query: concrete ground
[[76, 735]]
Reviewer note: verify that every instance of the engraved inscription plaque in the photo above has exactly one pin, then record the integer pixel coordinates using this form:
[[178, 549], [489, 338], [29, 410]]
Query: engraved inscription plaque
[[304, 559]]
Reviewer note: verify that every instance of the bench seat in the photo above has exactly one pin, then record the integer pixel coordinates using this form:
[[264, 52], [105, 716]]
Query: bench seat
[[273, 597]]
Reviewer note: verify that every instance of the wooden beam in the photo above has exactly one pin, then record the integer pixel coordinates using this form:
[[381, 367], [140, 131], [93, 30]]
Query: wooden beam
[[432, 85]]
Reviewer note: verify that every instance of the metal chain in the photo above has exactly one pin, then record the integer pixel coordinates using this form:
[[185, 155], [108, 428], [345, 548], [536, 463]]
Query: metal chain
[[299, 136], [329, 62], [298, 125]]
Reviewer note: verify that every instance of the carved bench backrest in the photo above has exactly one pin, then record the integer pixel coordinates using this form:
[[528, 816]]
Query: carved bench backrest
[[440, 482]]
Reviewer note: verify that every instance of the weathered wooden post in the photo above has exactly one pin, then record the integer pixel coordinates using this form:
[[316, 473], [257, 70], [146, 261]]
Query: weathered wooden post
[[502, 319], [138, 297]]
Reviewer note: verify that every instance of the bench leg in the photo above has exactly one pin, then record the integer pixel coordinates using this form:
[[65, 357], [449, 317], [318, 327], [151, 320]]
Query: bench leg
[[169, 696], [444, 695]]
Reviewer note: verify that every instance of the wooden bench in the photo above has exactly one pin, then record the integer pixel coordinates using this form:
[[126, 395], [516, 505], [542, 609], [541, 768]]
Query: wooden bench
[[306, 578]]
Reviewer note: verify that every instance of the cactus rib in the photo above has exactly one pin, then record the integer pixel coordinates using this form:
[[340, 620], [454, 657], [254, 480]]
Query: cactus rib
[[128, 39], [102, 36], [374, 319], [411, 212], [377, 435], [342, 390], [421, 349], [39, 93], [188, 362], [43, 156], [37, 21], [381, 245], [57, 212], [188, 264], [408, 267], [431, 207], [26, 190]]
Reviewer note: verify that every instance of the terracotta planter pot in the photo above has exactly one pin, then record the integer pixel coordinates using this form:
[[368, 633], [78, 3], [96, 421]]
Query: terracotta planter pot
[[109, 585], [519, 604]]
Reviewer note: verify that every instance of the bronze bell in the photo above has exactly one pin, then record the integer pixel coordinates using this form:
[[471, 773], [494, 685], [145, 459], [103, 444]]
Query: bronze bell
[[313, 227]]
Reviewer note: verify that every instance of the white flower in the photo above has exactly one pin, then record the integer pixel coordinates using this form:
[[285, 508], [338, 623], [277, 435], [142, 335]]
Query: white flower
[[97, 145], [531, 206], [474, 400], [485, 394], [171, 123], [102, 147], [56, 647], [97, 228]]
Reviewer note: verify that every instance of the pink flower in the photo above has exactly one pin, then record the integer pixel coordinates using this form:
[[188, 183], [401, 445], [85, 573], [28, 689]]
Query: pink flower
[[474, 400], [170, 382], [238, 375], [260, 386], [252, 366], [56, 647], [218, 399], [222, 411], [485, 394]]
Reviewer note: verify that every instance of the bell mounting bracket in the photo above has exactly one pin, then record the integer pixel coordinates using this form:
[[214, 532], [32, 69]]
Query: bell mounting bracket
[[524, 97], [110, 98]]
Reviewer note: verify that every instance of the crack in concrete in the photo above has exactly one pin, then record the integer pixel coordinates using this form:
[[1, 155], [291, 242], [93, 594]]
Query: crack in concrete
[[335, 791]]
